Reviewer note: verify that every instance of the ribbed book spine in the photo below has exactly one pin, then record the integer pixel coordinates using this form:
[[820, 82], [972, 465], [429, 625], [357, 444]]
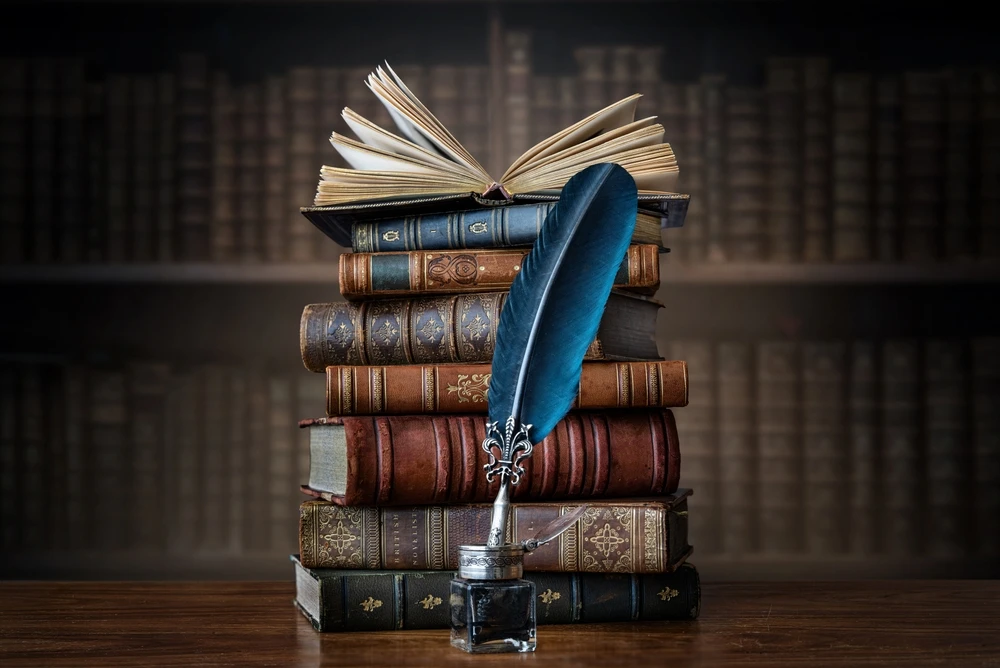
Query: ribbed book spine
[[42, 158], [215, 475], [118, 182], [304, 140], [737, 449], [32, 446], [643, 536], [142, 221], [76, 511], [166, 166], [888, 124], [863, 448], [816, 238], [148, 384], [960, 172], [779, 447], [281, 465], [693, 178], [464, 388], [713, 89], [902, 480], [184, 466], [784, 159], [193, 159], [71, 161], [923, 158], [108, 434], [275, 165], [250, 189], [746, 174], [852, 162], [224, 173], [425, 272], [344, 600]]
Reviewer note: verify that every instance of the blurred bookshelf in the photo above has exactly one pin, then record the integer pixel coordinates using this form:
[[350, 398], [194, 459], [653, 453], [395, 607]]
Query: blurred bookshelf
[[827, 267]]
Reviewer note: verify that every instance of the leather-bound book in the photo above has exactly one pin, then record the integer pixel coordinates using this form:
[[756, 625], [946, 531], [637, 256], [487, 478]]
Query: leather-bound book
[[364, 275], [453, 328], [405, 460], [464, 388], [617, 536], [352, 600]]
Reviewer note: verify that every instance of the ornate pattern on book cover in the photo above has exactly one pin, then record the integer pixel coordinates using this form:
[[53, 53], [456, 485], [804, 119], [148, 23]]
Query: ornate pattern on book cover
[[620, 536], [427, 272], [411, 460], [464, 388], [434, 330]]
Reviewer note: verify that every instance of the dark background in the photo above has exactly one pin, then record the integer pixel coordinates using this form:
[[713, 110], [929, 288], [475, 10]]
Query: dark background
[[234, 321]]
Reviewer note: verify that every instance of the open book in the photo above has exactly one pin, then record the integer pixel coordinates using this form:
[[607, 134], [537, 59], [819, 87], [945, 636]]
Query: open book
[[427, 160]]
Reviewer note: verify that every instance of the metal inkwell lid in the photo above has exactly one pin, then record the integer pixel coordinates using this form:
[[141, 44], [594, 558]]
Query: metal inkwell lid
[[506, 562]]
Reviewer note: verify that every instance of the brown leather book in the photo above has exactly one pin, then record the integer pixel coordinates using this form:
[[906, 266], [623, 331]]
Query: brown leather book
[[413, 460], [365, 275], [617, 536], [463, 388]]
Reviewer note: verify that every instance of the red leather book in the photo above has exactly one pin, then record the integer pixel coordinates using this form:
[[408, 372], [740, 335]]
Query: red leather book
[[415, 460]]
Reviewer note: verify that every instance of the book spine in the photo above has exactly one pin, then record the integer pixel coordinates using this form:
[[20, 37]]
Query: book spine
[[250, 186], [141, 217], [596, 454], [215, 474], [517, 92], [10, 500], [455, 388], [186, 403], [746, 174], [591, 62], [193, 159], [784, 159], [237, 446], [55, 452], [693, 178], [960, 169], [484, 228], [713, 89], [256, 497], [989, 165], [166, 166], [888, 124], [75, 501], [304, 139], [424, 272], [31, 471], [779, 447], [149, 383], [14, 151], [986, 439], [640, 537], [737, 451], [948, 460], [697, 427], [816, 239], [923, 150], [901, 455], [826, 463], [223, 165], [863, 426], [275, 211], [108, 427], [42, 158], [117, 182], [852, 163], [97, 165], [433, 330], [281, 465], [70, 161], [418, 600]]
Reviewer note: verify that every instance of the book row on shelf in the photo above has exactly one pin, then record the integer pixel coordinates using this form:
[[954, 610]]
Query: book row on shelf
[[812, 166], [792, 448]]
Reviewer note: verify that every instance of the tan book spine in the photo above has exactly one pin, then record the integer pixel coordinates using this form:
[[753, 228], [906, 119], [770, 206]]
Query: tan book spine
[[464, 388], [428, 272]]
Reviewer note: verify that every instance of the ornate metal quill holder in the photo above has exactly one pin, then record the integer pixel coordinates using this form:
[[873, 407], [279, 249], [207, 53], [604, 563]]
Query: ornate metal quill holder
[[492, 608]]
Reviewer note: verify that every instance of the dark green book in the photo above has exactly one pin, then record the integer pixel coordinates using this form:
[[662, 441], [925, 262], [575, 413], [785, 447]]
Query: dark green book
[[354, 600]]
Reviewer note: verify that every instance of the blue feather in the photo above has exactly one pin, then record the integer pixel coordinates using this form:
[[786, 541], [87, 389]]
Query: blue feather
[[556, 301]]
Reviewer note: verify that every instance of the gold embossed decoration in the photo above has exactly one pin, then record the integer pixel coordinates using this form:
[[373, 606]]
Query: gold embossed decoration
[[667, 593], [474, 389], [478, 227], [548, 596], [340, 537], [370, 604], [429, 602], [606, 540], [447, 269], [390, 235]]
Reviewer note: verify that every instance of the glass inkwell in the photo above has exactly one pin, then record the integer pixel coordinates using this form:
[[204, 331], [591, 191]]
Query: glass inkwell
[[492, 607]]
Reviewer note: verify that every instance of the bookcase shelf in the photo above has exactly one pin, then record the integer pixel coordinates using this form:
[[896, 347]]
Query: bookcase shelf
[[672, 274]]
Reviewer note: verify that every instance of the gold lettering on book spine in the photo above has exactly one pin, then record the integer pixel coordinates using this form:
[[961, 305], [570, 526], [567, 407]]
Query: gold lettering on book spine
[[378, 389], [430, 405], [437, 546], [346, 393], [472, 389], [652, 539]]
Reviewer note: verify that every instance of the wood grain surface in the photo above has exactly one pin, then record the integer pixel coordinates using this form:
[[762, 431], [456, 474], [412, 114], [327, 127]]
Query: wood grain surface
[[904, 623]]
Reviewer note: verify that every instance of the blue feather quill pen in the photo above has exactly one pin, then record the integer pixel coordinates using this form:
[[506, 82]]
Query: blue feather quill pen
[[550, 318]]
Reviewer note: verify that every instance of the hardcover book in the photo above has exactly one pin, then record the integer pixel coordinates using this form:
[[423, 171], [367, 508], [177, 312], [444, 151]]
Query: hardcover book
[[354, 600], [464, 388], [455, 328], [404, 460], [617, 536], [426, 164], [364, 275]]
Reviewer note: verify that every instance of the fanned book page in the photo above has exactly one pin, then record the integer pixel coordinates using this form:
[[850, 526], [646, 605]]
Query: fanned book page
[[425, 159]]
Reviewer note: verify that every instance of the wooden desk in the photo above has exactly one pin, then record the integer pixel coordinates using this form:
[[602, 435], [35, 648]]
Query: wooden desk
[[905, 623]]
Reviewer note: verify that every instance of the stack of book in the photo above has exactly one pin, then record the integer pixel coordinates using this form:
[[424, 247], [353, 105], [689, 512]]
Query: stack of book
[[396, 465]]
